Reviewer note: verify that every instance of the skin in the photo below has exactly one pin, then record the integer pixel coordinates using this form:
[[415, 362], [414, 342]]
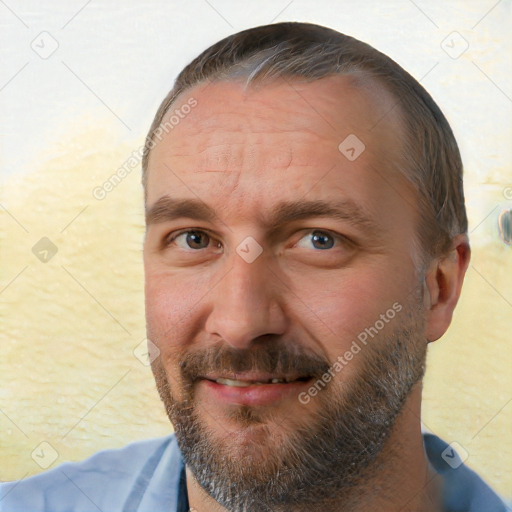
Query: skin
[[242, 151]]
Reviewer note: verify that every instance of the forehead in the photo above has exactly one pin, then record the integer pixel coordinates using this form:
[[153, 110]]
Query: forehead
[[331, 105], [276, 139]]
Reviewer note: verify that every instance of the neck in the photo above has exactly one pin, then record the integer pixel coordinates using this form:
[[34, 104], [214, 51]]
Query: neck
[[404, 480]]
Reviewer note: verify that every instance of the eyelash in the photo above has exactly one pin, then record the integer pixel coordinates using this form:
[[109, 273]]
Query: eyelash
[[170, 238]]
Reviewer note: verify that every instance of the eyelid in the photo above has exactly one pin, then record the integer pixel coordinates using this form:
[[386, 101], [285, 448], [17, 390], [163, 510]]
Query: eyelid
[[171, 237], [168, 239], [337, 236]]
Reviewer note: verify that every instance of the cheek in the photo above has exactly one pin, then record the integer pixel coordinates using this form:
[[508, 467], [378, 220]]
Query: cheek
[[350, 307], [173, 307], [166, 325]]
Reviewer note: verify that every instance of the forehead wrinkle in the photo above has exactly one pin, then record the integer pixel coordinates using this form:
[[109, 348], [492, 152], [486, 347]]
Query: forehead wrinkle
[[294, 157]]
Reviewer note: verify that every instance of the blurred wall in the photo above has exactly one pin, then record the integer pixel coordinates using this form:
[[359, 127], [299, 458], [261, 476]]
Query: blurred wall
[[80, 84]]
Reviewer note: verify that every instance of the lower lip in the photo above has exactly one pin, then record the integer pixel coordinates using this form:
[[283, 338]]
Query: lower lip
[[259, 394]]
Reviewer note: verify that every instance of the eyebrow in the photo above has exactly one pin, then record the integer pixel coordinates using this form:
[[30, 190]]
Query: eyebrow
[[345, 210], [167, 208], [286, 212]]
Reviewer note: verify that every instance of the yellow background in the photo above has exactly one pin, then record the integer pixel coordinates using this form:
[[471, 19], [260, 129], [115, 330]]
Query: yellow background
[[68, 373]]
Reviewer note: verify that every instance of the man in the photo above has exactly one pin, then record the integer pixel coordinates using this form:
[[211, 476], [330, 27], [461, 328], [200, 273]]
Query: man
[[306, 239]]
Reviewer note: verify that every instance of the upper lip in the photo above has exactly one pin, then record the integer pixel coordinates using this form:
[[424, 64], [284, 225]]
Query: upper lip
[[252, 376]]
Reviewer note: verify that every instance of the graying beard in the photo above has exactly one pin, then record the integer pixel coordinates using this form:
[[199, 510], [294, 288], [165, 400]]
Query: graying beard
[[321, 458]]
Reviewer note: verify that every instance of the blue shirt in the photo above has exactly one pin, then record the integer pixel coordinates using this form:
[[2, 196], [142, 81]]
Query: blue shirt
[[149, 476]]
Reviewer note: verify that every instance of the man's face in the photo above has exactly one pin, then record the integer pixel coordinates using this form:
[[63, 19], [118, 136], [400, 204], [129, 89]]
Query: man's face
[[269, 252]]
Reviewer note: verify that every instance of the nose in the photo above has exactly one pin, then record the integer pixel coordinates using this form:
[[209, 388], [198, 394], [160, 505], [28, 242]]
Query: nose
[[246, 304]]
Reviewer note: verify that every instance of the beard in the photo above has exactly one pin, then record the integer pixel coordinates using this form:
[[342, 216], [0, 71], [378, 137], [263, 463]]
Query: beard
[[322, 457]]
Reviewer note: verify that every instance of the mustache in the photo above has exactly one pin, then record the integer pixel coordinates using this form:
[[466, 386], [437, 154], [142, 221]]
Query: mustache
[[276, 359]]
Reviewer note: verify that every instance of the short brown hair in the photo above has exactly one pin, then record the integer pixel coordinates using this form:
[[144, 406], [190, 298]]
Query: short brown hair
[[431, 156]]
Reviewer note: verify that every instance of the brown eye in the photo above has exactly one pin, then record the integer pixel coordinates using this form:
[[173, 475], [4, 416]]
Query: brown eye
[[193, 239], [197, 240]]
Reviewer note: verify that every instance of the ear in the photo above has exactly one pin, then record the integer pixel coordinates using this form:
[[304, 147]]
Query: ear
[[443, 283]]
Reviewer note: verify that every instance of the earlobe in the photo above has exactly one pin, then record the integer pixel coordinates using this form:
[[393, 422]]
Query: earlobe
[[443, 284]]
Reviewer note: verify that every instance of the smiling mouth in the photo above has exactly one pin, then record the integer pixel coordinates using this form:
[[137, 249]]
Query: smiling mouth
[[248, 383]]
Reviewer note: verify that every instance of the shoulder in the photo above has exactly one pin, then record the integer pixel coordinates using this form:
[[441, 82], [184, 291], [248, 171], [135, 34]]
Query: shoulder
[[463, 489], [109, 480]]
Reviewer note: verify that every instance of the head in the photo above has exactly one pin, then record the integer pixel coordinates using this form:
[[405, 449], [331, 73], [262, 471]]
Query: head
[[306, 224]]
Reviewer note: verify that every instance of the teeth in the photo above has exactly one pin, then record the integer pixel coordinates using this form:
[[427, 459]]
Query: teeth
[[246, 384], [234, 383]]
